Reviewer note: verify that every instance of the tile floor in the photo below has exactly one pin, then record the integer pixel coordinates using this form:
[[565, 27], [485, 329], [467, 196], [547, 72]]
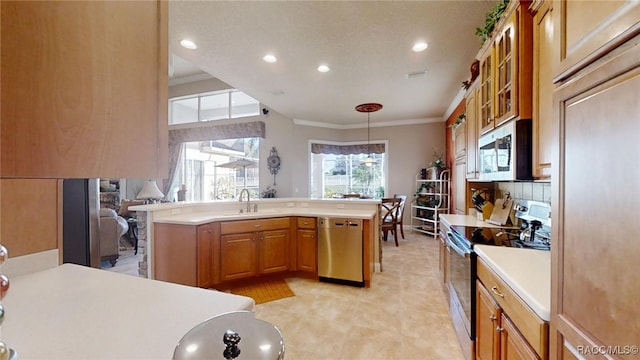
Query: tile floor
[[402, 316]]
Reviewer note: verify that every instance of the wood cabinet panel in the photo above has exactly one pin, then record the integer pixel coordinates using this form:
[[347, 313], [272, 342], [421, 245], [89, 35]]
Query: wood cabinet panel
[[460, 186], [84, 89], [238, 254], [306, 223], [488, 314], [485, 91], [534, 329], [175, 254], [30, 215], [307, 250], [513, 346], [472, 133], [597, 116], [586, 30], [204, 250], [460, 139], [240, 226], [544, 51], [273, 251]]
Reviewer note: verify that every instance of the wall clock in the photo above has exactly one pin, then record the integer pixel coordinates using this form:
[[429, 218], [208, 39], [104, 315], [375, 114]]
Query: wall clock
[[273, 161]]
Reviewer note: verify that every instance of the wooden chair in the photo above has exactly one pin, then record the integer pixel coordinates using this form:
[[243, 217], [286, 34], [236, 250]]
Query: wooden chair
[[401, 211], [389, 208]]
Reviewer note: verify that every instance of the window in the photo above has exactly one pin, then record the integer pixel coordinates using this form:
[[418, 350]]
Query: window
[[202, 169], [220, 105], [339, 168]]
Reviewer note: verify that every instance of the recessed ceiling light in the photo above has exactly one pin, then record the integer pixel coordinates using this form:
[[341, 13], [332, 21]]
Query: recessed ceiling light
[[188, 44], [323, 68], [420, 46], [269, 58]]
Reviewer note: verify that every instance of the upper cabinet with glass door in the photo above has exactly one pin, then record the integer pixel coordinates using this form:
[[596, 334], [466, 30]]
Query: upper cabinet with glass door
[[505, 69]]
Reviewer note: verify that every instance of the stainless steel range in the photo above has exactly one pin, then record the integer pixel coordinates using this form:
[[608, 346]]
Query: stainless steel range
[[533, 231]]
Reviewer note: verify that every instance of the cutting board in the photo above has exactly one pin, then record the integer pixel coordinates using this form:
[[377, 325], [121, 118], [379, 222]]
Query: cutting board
[[501, 211]]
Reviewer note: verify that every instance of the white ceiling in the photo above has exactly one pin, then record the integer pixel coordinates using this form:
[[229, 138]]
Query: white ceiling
[[366, 44]]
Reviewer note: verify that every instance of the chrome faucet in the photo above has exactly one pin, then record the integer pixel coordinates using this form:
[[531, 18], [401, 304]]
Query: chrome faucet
[[245, 190]]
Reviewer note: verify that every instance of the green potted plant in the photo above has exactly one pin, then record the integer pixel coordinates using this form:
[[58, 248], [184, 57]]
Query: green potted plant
[[490, 20], [436, 166]]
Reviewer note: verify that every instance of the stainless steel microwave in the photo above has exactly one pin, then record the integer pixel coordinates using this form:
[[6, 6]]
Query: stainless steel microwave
[[505, 152]]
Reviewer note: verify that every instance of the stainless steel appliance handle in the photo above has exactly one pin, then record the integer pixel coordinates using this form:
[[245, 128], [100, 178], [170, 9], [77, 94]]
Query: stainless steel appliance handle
[[452, 244]]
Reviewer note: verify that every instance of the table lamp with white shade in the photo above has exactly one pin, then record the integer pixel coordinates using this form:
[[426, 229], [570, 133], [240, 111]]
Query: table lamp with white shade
[[150, 192]]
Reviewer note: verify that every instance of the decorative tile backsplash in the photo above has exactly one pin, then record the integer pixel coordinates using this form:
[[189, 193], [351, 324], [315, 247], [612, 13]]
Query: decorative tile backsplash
[[537, 191]]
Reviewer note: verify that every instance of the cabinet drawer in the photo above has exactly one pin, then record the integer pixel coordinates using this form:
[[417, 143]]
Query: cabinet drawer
[[534, 329], [306, 223], [243, 226]]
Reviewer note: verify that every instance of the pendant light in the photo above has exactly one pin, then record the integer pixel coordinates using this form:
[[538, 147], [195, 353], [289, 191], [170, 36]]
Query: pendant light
[[368, 108]]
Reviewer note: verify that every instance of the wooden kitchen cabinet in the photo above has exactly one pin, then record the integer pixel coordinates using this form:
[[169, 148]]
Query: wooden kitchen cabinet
[[205, 256], [238, 256], [460, 185], [250, 248], [273, 251], [485, 89], [84, 89], [513, 346], [506, 328], [596, 122], [307, 246], [544, 50], [488, 315], [175, 254], [505, 69], [587, 30], [471, 126]]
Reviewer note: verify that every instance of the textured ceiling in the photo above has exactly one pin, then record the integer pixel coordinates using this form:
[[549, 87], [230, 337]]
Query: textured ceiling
[[366, 44]]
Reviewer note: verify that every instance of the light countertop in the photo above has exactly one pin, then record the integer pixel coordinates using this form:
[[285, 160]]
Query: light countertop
[[76, 312], [198, 218], [526, 271], [464, 220]]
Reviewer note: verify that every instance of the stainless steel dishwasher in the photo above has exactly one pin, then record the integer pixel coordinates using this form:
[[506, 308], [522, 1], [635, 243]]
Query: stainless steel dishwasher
[[340, 251]]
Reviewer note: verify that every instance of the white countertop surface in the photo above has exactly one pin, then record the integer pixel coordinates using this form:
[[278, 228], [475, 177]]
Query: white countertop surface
[[464, 220], [198, 218], [526, 271], [76, 312]]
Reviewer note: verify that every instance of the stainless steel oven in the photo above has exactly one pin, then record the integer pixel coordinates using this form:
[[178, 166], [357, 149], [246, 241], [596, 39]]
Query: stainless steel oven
[[461, 284]]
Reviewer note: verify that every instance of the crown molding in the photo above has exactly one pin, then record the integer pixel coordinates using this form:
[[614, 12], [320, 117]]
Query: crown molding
[[328, 125]]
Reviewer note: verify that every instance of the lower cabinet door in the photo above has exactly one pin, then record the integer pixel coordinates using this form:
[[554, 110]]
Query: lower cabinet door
[[204, 248], [238, 256], [513, 346], [488, 314], [307, 251], [273, 251]]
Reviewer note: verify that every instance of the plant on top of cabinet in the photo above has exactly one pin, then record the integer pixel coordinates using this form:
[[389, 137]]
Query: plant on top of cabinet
[[491, 18]]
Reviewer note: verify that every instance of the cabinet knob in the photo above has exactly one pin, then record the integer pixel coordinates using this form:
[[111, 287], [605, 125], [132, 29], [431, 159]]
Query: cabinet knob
[[305, 223], [499, 329], [256, 225], [492, 317]]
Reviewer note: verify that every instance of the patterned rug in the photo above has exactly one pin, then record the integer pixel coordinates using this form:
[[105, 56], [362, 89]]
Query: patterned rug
[[265, 292]]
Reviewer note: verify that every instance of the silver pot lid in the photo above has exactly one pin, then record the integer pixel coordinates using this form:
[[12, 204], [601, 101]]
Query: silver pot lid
[[234, 335]]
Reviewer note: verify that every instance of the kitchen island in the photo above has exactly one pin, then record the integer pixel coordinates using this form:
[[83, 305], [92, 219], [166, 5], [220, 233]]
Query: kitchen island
[[76, 312], [208, 243]]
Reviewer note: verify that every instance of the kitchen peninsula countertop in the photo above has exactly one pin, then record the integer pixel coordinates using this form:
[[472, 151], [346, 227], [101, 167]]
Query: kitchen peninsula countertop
[[526, 271], [76, 312], [205, 212]]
